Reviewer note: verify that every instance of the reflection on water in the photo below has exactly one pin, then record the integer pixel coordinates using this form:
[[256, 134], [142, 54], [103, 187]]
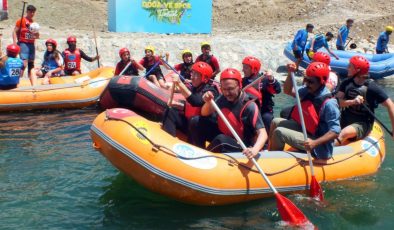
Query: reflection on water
[[50, 177]]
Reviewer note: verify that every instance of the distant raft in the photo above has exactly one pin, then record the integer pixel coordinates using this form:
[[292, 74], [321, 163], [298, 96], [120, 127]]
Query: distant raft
[[172, 167], [381, 65], [64, 92]]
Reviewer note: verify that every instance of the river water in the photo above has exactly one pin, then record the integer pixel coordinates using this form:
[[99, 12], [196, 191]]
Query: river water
[[51, 178]]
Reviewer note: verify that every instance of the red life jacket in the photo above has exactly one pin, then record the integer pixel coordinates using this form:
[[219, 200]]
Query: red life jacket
[[234, 117], [208, 60], [72, 60], [255, 92], [191, 111], [25, 35], [311, 108]]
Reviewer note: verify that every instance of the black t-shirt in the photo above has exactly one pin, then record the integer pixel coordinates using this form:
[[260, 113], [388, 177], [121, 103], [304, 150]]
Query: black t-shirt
[[371, 92], [195, 99]]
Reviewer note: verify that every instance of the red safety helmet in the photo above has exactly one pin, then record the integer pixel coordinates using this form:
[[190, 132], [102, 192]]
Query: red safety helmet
[[322, 57], [122, 51], [360, 63], [51, 41], [204, 69], [13, 50], [71, 39], [319, 70], [231, 73], [253, 62]]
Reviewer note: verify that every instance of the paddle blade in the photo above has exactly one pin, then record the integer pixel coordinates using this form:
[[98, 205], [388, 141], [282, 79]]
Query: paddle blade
[[315, 189], [289, 212]]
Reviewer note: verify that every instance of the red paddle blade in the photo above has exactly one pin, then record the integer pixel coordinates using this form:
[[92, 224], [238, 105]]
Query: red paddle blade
[[289, 212], [315, 190]]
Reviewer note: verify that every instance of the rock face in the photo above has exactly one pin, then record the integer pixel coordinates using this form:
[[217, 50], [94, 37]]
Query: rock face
[[240, 28]]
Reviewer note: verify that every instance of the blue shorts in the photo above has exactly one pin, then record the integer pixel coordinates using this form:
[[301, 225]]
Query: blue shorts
[[28, 51], [340, 47]]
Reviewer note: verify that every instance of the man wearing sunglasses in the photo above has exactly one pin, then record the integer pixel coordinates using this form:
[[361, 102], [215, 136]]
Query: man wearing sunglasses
[[356, 95], [321, 115]]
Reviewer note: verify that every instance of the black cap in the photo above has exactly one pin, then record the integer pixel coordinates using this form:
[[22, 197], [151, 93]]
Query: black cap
[[31, 8]]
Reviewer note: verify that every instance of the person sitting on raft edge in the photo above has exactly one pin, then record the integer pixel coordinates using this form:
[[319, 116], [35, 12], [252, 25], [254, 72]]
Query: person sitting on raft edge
[[11, 68], [358, 97], [242, 113], [211, 60], [125, 59], [264, 90], [72, 57], [51, 66], [185, 68], [201, 73], [149, 61], [321, 115]]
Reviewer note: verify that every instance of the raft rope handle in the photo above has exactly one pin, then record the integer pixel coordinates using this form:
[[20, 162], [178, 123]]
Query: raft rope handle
[[233, 160]]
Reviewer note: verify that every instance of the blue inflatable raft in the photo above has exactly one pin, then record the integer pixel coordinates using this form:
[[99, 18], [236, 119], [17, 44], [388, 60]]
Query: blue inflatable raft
[[382, 65]]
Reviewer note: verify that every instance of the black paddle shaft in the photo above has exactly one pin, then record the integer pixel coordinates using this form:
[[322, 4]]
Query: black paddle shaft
[[20, 25], [377, 119]]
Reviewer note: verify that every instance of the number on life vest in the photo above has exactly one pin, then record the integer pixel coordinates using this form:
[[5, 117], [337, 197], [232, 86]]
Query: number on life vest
[[15, 72], [28, 36], [71, 65]]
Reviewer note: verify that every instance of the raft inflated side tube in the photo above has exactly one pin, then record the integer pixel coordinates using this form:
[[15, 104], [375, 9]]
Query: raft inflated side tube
[[134, 92]]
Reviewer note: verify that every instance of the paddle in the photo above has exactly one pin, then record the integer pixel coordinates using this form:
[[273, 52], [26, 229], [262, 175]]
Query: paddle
[[315, 188], [95, 42], [347, 43], [377, 119], [173, 69], [288, 211], [20, 26], [253, 82]]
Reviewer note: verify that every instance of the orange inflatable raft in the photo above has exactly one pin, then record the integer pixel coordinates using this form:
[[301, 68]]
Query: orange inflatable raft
[[174, 168], [64, 92]]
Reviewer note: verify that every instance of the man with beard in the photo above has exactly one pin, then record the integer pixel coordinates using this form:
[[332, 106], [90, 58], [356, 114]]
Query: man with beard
[[320, 111], [72, 57]]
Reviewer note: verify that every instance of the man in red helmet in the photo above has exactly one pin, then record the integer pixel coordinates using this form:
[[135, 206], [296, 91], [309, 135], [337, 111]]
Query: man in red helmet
[[320, 111], [332, 81], [11, 68], [353, 94], [72, 57], [201, 73], [125, 59], [25, 37], [242, 113], [52, 64], [263, 90]]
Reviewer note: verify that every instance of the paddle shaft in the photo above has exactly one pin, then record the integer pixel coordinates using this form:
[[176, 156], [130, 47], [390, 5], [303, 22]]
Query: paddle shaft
[[151, 69], [253, 82], [377, 119], [242, 145], [20, 26], [173, 69], [347, 43], [95, 42], [125, 68], [302, 121]]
